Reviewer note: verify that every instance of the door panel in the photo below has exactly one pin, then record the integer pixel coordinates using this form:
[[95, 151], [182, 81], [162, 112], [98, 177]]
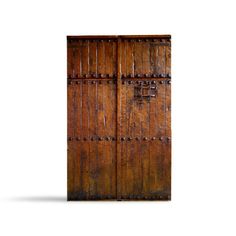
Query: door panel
[[145, 142], [119, 101]]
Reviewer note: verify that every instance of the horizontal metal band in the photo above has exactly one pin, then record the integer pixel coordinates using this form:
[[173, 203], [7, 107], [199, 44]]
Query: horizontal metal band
[[92, 138], [124, 81], [125, 138], [111, 81], [83, 196], [123, 76], [158, 41], [114, 76], [92, 81], [92, 76]]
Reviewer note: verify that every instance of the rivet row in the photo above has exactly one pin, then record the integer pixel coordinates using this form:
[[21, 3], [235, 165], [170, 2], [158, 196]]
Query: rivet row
[[144, 138], [146, 75], [157, 40], [73, 40], [70, 82], [92, 76], [123, 76], [158, 197], [147, 82], [92, 138], [109, 138]]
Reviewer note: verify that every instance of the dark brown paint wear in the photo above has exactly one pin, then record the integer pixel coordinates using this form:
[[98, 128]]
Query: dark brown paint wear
[[119, 132]]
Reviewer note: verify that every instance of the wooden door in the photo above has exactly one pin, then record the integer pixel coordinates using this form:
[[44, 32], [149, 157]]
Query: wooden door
[[119, 134]]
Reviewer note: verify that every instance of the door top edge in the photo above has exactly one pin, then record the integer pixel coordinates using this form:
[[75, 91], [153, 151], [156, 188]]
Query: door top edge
[[116, 36]]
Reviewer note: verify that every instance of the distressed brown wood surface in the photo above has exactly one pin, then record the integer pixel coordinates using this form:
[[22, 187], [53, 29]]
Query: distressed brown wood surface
[[119, 120]]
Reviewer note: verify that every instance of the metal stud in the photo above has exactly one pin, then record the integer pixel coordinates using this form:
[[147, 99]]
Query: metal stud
[[161, 82], [113, 138], [77, 138], [130, 82], [70, 82], [123, 139], [108, 138], [129, 138], [77, 82], [169, 81], [153, 138], [70, 139], [168, 75], [137, 138], [100, 138], [93, 82], [153, 82], [168, 138], [161, 138], [145, 138]]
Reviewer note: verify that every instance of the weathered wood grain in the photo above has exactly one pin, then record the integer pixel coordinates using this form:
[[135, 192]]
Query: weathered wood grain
[[119, 117]]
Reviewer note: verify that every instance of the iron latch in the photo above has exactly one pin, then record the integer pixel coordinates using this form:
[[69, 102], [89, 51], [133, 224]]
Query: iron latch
[[145, 91]]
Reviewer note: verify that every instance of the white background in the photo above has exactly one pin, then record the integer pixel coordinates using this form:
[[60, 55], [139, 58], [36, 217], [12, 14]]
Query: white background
[[33, 117]]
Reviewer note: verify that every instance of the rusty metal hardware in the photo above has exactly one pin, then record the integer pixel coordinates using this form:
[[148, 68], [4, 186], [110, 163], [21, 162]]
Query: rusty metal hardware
[[145, 90]]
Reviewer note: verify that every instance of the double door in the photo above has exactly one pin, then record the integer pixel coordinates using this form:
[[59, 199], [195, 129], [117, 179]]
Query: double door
[[119, 102]]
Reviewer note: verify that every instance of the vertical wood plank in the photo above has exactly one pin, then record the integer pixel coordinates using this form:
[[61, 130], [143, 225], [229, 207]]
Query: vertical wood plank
[[84, 155], [85, 56], [138, 62], [92, 57], [118, 123]]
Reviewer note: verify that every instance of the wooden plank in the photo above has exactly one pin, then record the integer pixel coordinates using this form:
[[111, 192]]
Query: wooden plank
[[85, 57], [101, 118], [77, 60], [84, 154], [118, 123], [92, 103], [168, 122], [70, 64], [92, 58], [138, 62], [101, 58], [77, 136]]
